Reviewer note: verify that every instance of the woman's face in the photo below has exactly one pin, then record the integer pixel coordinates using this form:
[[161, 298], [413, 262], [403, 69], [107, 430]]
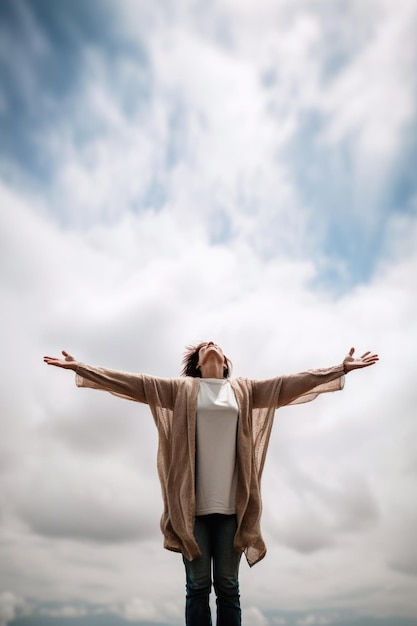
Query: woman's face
[[210, 350]]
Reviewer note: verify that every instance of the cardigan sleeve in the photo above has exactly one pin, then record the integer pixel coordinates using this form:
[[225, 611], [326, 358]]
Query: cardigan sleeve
[[297, 388], [138, 387]]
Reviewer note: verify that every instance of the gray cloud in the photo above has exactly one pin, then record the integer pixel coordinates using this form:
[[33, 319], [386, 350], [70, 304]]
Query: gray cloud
[[320, 511], [400, 557]]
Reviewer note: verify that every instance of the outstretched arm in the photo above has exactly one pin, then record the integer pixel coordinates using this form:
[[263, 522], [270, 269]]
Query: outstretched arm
[[298, 385], [351, 363], [305, 386], [137, 387], [121, 383]]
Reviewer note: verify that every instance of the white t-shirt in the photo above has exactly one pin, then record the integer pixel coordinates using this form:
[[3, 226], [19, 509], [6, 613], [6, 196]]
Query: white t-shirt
[[216, 475]]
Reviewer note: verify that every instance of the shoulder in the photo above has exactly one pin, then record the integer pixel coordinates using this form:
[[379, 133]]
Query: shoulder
[[241, 385]]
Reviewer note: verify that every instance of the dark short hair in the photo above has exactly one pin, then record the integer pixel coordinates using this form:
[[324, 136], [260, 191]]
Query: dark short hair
[[190, 361]]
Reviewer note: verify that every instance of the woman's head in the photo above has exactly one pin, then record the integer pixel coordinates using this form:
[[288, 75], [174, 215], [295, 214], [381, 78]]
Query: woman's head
[[191, 359]]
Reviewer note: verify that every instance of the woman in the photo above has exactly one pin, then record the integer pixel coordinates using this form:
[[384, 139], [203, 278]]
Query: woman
[[213, 438]]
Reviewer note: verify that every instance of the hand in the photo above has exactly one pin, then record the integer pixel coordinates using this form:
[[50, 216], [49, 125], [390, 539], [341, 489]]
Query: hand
[[351, 363], [68, 362]]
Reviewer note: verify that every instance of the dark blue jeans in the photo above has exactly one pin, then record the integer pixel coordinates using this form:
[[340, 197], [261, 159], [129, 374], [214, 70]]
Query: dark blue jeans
[[214, 535]]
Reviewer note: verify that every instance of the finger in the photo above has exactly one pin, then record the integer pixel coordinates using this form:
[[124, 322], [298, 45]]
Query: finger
[[351, 351], [370, 360], [51, 361], [365, 354]]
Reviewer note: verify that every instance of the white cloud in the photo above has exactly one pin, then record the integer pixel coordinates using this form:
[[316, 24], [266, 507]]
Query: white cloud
[[254, 617], [11, 607], [374, 97], [313, 620], [144, 609]]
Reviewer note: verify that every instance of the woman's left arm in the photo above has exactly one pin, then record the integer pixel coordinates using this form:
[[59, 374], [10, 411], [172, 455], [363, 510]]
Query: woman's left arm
[[351, 363], [305, 386]]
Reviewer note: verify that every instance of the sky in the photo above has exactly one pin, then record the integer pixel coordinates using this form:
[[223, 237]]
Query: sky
[[230, 170]]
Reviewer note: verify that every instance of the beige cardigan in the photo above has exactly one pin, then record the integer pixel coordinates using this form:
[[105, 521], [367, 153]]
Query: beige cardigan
[[173, 403]]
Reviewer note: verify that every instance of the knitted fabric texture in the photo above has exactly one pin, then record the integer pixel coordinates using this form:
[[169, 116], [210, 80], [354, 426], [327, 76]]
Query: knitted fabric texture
[[173, 403]]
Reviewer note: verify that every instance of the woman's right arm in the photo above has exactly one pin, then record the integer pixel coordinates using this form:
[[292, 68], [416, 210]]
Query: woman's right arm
[[138, 387]]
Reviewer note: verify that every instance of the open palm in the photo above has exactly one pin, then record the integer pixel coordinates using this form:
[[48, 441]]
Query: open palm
[[352, 363], [68, 362]]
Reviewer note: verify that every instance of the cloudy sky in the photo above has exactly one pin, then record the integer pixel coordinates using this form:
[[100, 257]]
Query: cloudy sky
[[181, 170]]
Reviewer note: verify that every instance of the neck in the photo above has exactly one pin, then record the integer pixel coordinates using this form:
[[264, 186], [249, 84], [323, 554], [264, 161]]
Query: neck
[[212, 370]]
